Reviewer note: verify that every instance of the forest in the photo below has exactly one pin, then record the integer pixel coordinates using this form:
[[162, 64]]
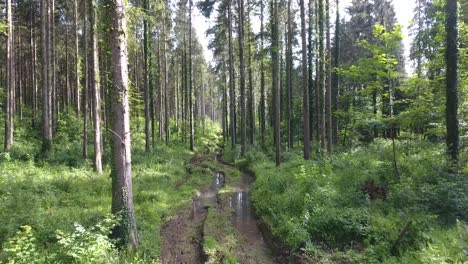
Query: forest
[[234, 131]]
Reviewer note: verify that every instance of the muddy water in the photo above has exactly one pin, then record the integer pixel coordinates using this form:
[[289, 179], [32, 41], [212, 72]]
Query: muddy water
[[245, 221], [208, 198]]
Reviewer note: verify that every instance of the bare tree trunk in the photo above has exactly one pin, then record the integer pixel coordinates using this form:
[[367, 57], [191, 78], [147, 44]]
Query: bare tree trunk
[[242, 77], [77, 59], [335, 78], [262, 76], [46, 125], [146, 80], [305, 84], [11, 76], [452, 58], [122, 193], [190, 79], [166, 86], [33, 67], [232, 81], [276, 73], [96, 85], [86, 81], [329, 84]]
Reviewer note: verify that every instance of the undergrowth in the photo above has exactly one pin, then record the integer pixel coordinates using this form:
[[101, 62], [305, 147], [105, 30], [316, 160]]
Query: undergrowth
[[56, 210], [356, 208]]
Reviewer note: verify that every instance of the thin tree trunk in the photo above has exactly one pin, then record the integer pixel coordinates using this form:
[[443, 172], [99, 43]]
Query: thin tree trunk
[[329, 113], [289, 71], [122, 192], [335, 78], [96, 85], [232, 83], [276, 73], [86, 81], [262, 75], [305, 84], [452, 58], [77, 59], [190, 79], [11, 76], [46, 126], [166, 87], [146, 80], [242, 77]]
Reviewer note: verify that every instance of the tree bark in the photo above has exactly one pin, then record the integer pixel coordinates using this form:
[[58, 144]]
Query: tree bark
[[86, 80], [146, 80], [240, 37], [46, 124], [96, 85], [452, 57], [11, 80], [122, 193], [232, 82], [305, 84], [276, 86]]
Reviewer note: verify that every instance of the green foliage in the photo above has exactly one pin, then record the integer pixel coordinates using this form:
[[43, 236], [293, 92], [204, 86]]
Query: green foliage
[[325, 206], [22, 249]]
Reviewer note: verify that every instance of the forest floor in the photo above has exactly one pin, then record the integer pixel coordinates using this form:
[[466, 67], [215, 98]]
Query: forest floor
[[220, 225]]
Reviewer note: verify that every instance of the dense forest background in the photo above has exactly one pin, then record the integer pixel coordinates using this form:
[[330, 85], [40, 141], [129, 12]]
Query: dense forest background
[[115, 121]]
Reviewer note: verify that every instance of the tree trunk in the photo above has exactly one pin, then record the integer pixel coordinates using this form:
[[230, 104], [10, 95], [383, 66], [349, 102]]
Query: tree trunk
[[289, 72], [328, 99], [242, 77], [452, 57], [232, 82], [190, 79], [77, 64], [262, 76], [276, 86], [336, 81], [146, 80], [11, 77], [96, 85], [46, 125], [86, 81], [305, 84], [122, 193]]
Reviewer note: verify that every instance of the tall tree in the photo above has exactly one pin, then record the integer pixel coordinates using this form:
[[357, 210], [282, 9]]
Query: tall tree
[[11, 80], [328, 93], [232, 82], [452, 56], [77, 60], [305, 84], [86, 79], [96, 87], [276, 75], [289, 74], [122, 192], [242, 77], [146, 79], [190, 80], [46, 89], [262, 74]]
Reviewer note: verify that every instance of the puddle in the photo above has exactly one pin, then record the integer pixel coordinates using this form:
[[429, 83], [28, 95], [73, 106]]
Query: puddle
[[244, 218], [209, 197]]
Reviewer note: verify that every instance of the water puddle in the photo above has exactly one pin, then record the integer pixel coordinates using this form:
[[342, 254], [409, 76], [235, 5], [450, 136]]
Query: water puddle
[[245, 221], [208, 198]]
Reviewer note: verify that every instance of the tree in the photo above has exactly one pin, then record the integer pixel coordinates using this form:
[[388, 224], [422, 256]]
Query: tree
[[46, 90], [232, 82], [86, 80], [452, 55], [146, 79], [11, 81], [242, 77], [121, 172], [276, 74], [305, 84], [96, 87]]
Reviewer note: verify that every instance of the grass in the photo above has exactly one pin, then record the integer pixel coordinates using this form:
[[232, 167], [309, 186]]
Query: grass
[[64, 191], [323, 207]]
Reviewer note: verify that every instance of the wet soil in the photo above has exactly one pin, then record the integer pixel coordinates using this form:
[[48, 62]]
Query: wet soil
[[182, 236]]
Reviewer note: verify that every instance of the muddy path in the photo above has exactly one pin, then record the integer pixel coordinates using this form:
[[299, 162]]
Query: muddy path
[[219, 225]]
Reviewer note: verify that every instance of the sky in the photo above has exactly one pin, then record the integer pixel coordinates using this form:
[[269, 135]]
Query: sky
[[403, 8]]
